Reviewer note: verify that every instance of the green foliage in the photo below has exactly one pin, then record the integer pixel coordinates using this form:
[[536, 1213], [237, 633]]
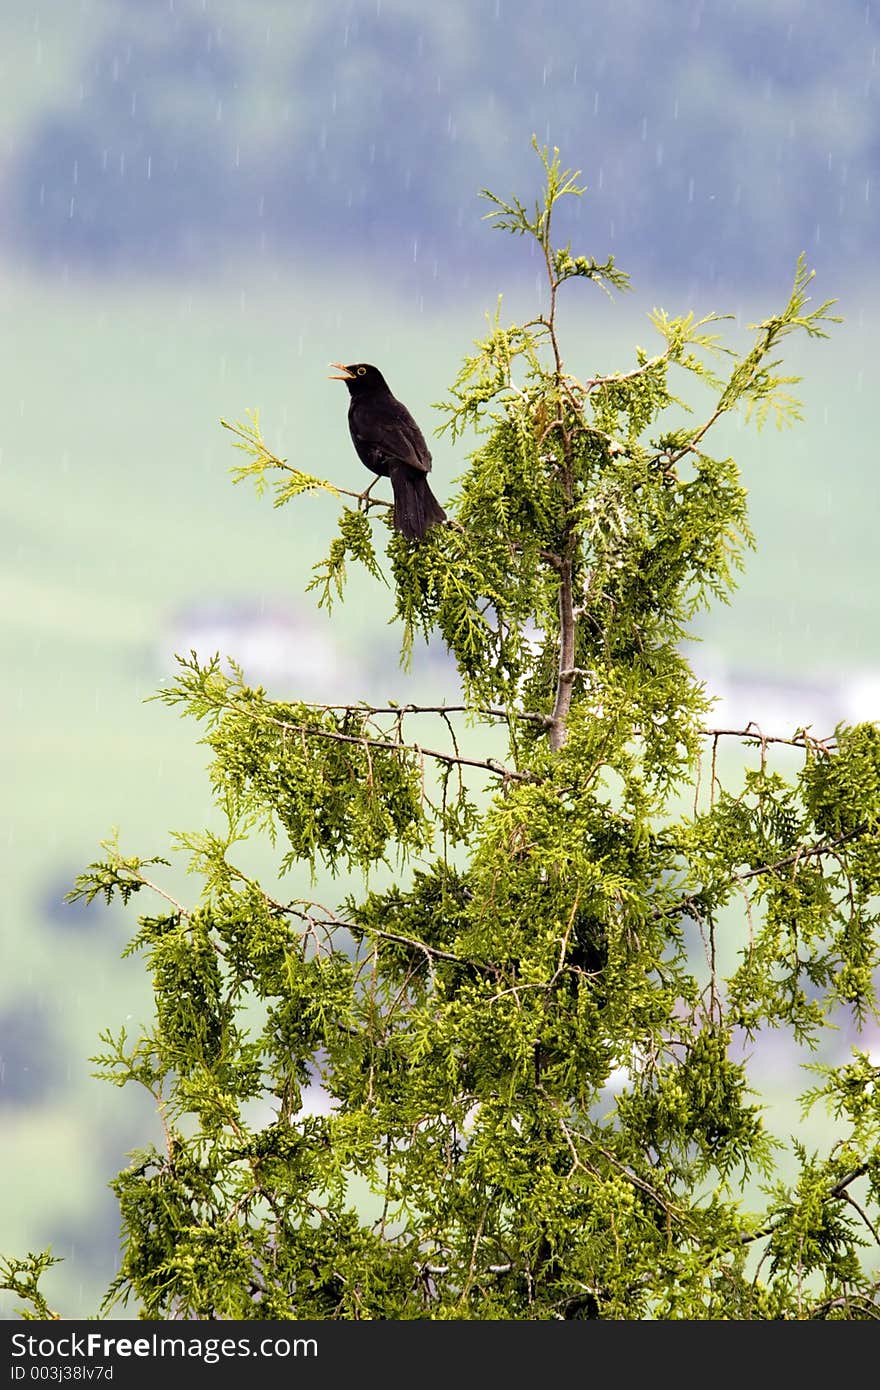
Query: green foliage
[[531, 1042], [22, 1279], [263, 461], [354, 540], [337, 791]]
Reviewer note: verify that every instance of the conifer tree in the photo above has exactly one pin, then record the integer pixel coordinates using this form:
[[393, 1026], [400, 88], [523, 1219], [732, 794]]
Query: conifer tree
[[540, 1105]]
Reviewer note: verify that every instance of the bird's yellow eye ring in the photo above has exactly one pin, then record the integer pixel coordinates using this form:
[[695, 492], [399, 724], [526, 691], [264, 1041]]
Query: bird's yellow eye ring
[[362, 371]]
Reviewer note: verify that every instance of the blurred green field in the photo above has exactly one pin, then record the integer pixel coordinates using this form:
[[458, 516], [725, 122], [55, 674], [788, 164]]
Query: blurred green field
[[117, 509]]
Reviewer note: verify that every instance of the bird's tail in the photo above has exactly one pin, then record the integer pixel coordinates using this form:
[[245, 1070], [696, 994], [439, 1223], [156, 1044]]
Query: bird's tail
[[416, 508]]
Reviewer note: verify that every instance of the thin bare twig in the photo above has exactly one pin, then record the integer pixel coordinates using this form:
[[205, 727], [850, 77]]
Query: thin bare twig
[[498, 769]]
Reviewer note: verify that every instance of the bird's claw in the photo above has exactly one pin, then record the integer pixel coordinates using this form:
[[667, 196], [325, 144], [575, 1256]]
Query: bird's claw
[[365, 495]]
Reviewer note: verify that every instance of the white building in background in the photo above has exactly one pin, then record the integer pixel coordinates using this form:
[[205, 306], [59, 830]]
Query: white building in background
[[862, 691], [780, 704], [274, 643]]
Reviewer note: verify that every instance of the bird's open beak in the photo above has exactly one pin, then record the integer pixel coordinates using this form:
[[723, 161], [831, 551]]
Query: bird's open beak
[[346, 374]]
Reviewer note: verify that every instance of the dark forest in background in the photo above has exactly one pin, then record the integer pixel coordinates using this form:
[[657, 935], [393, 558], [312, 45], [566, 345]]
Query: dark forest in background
[[718, 139]]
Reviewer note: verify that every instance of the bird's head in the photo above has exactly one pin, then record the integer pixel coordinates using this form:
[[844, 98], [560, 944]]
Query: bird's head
[[359, 376]]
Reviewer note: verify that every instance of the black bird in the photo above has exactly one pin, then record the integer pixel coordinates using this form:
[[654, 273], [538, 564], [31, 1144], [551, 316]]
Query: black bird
[[390, 443]]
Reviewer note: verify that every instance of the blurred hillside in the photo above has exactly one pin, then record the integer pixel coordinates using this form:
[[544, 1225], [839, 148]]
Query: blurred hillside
[[719, 139]]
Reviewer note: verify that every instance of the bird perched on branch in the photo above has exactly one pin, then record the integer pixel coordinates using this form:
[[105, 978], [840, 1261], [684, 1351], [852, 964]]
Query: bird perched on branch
[[390, 443]]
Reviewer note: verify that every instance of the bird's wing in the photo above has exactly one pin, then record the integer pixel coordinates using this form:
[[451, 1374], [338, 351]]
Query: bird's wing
[[391, 435]]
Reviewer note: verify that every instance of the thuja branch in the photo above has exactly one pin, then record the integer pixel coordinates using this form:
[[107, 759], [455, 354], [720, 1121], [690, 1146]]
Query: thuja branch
[[558, 184], [120, 874], [211, 694], [754, 735], [317, 915], [807, 852], [493, 765], [752, 381], [691, 901], [263, 461], [21, 1278], [835, 1194], [567, 637], [485, 711]]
